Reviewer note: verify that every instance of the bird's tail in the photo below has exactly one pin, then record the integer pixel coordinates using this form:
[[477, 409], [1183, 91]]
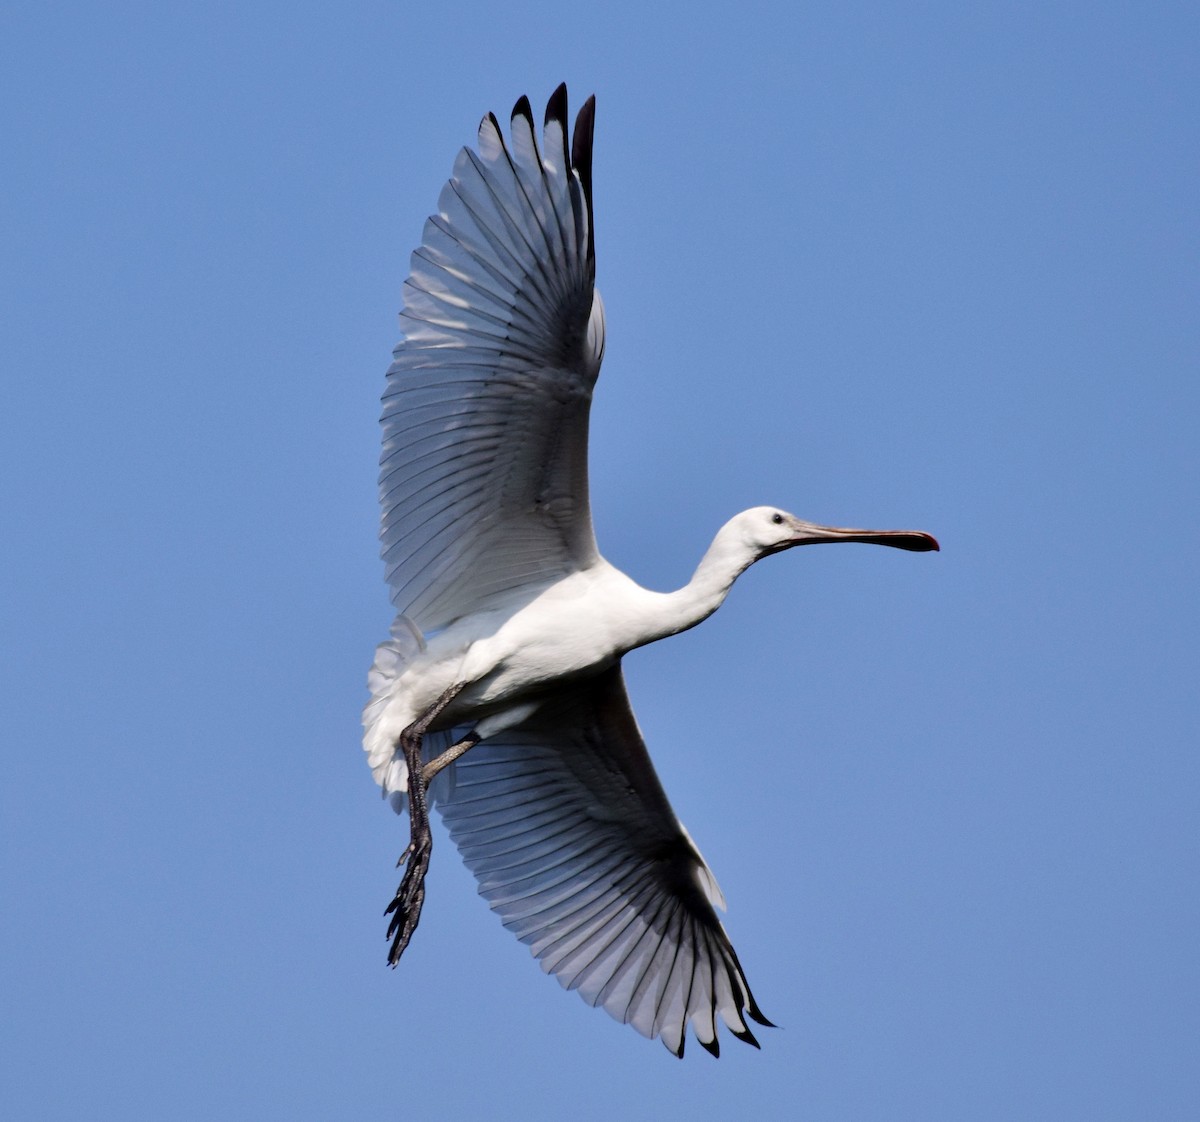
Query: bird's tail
[[379, 735], [383, 721]]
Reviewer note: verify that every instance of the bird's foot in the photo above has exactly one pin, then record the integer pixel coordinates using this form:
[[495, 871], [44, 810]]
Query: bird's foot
[[405, 908]]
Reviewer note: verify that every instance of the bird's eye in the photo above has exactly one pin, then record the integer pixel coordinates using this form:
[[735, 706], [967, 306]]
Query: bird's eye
[[777, 518]]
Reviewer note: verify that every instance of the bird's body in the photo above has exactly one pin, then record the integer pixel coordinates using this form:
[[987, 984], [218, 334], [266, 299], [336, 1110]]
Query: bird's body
[[579, 625], [511, 626], [504, 659]]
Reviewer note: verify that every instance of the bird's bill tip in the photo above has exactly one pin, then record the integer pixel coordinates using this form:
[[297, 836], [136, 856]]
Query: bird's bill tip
[[915, 541]]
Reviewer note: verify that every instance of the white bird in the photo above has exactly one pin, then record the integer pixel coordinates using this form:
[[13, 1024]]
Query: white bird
[[511, 626]]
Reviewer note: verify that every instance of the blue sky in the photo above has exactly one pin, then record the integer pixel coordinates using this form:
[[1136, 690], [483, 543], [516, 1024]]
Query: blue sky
[[930, 266]]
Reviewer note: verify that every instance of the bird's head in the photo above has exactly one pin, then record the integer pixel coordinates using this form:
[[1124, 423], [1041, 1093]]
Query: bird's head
[[767, 529]]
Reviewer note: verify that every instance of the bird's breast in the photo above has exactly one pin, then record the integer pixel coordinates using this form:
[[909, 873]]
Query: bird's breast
[[565, 633]]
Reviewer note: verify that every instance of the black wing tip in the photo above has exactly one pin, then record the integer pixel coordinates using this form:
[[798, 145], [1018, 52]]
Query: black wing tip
[[523, 109], [490, 119], [581, 141], [556, 107], [745, 1035], [581, 138], [556, 113], [751, 1006], [712, 1047], [757, 1014], [581, 161]]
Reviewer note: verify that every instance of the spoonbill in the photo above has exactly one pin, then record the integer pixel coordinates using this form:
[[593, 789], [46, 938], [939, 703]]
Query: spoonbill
[[499, 696]]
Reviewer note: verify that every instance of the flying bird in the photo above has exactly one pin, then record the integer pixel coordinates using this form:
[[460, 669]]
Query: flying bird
[[499, 697]]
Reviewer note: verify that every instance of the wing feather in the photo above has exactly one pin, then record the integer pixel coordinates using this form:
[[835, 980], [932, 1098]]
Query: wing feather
[[571, 838], [483, 473]]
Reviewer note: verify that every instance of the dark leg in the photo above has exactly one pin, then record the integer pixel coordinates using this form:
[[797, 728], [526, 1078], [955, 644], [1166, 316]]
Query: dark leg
[[405, 908]]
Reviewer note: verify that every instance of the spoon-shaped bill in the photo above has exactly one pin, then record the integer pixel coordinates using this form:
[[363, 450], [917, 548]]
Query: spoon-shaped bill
[[809, 533]]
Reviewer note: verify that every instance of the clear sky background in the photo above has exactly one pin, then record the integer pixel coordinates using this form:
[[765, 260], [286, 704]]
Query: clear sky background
[[929, 266]]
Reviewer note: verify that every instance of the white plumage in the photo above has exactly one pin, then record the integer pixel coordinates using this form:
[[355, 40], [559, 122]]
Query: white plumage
[[503, 597]]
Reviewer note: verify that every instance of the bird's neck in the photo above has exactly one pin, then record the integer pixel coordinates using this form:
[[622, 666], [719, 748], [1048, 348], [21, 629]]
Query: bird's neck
[[677, 611]]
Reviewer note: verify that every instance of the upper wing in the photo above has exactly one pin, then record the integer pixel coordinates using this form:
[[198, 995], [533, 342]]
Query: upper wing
[[566, 827], [483, 475]]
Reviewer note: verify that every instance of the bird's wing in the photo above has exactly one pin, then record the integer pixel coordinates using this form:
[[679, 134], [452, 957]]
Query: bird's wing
[[483, 475], [567, 828]]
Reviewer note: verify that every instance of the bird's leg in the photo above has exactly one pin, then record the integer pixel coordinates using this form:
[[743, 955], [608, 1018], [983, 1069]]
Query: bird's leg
[[405, 908], [449, 756]]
